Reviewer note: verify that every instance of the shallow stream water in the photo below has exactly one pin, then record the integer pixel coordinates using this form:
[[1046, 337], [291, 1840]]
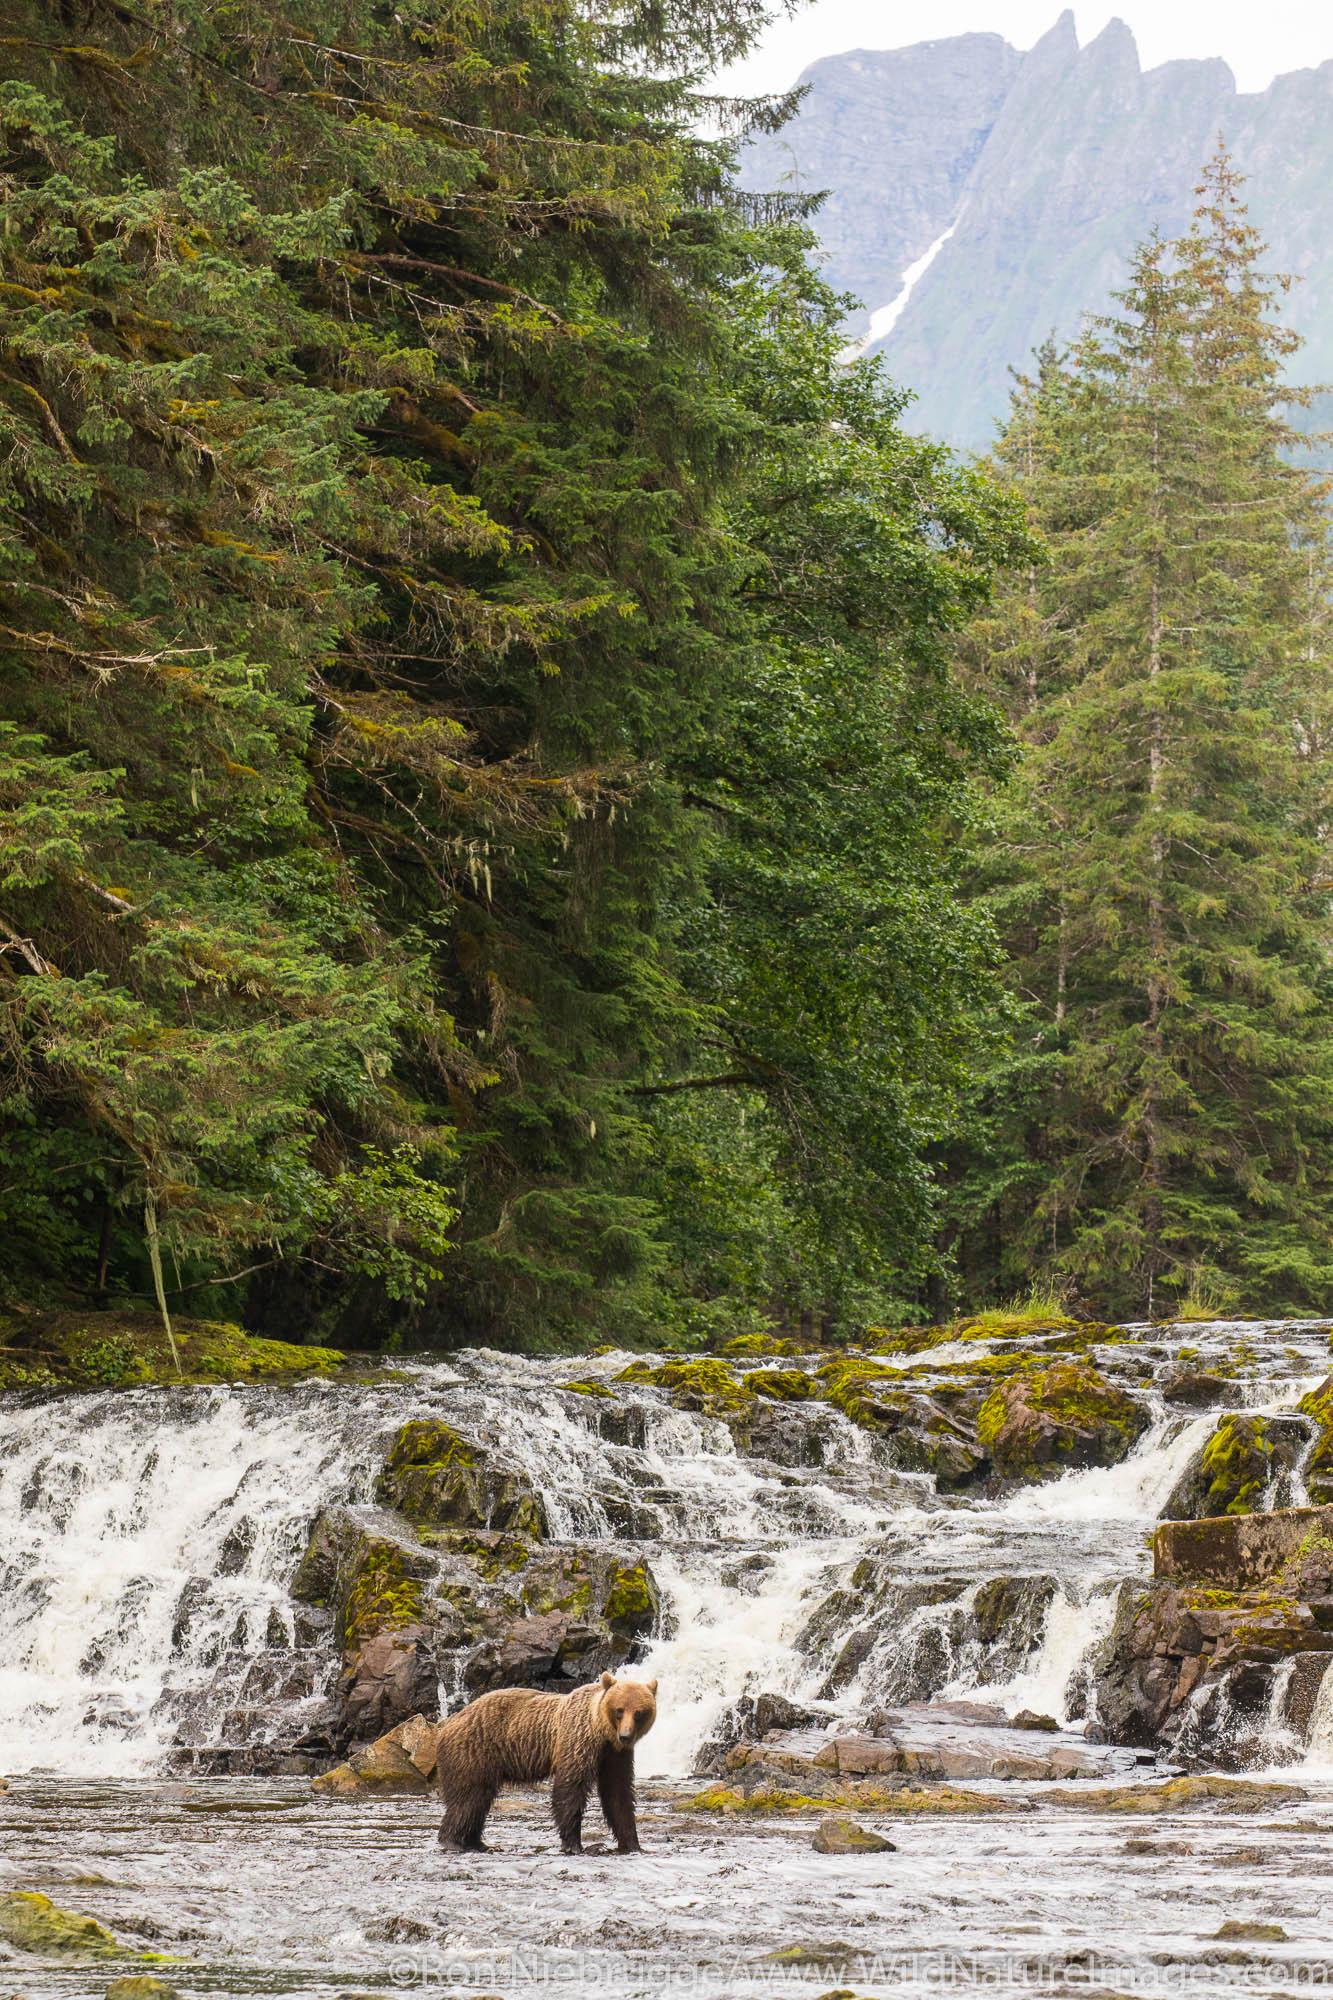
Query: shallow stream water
[[147, 1543]]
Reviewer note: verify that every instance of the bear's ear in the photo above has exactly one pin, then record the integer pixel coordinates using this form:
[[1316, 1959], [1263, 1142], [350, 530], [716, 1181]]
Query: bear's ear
[[652, 1686], [608, 1680]]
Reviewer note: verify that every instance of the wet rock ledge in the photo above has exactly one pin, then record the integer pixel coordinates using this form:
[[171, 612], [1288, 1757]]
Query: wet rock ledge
[[1233, 1634]]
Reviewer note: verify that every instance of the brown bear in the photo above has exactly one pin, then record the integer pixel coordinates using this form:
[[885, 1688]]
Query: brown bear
[[515, 1737]]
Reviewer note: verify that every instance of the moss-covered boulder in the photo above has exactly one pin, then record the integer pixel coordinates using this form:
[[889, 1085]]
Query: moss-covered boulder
[[1234, 1470], [759, 1346], [570, 1614], [31, 1922], [403, 1760], [438, 1478], [781, 1385], [920, 1433], [839, 1835], [702, 1382], [1319, 1466], [1055, 1419], [378, 1583]]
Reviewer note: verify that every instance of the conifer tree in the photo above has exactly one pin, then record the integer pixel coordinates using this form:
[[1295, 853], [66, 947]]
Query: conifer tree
[[396, 406], [1164, 1115]]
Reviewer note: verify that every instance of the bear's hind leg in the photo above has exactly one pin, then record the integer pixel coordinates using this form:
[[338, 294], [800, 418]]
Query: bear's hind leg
[[465, 1811], [615, 1789], [569, 1796]]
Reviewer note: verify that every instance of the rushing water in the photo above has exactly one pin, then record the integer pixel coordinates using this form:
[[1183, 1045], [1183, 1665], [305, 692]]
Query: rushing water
[[149, 1539]]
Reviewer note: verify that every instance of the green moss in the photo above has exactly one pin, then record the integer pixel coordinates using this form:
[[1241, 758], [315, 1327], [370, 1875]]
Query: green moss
[[1236, 1466], [428, 1442], [491, 1555], [32, 1922], [762, 1344], [780, 1385], [700, 1383], [630, 1602], [382, 1596], [1082, 1403], [1319, 1466], [864, 1390], [121, 1350], [590, 1389], [723, 1799]]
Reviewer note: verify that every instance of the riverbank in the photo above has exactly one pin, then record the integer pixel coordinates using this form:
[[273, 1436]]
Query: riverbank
[[257, 1887]]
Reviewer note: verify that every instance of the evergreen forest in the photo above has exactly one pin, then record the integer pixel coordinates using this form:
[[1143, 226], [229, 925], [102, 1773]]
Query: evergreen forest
[[534, 808]]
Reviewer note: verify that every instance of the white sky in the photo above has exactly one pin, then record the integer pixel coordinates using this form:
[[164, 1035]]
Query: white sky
[[1259, 38]]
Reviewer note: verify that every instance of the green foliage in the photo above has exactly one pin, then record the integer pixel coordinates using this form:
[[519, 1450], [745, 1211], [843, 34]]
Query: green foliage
[[1160, 1121], [476, 673]]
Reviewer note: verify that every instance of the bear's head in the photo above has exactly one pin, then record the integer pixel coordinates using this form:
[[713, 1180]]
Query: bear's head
[[628, 1710]]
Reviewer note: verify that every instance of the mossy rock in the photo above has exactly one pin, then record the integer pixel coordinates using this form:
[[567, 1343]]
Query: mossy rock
[[1319, 1466], [369, 1581], [436, 1478], [725, 1799], [129, 1350], [32, 1922], [383, 1597], [491, 1554], [701, 1383], [1245, 1795], [1051, 1420], [141, 1986], [596, 1389], [1235, 1468], [594, 1586], [759, 1346], [781, 1385], [633, 1601]]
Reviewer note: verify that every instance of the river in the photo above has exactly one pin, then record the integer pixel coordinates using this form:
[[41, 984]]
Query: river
[[149, 1538]]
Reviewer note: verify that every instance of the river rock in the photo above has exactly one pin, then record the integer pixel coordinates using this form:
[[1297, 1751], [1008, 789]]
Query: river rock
[[1234, 1469], [749, 1720], [912, 1750], [1192, 1659], [438, 1478], [1241, 1552], [570, 1614], [141, 1986], [32, 1922], [1050, 1421], [844, 1836], [1319, 1466], [1192, 1389], [919, 1432], [403, 1760], [391, 1676]]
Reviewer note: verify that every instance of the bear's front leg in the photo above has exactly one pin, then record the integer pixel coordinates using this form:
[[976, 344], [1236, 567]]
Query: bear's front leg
[[615, 1789], [569, 1796]]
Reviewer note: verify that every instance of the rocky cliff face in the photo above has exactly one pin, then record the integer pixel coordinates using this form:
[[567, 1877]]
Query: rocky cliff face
[[1048, 168]]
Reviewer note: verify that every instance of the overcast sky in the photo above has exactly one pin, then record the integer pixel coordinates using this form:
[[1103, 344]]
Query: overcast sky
[[1259, 38]]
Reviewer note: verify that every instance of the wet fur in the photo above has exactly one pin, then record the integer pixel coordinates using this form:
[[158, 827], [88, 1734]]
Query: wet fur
[[517, 1737]]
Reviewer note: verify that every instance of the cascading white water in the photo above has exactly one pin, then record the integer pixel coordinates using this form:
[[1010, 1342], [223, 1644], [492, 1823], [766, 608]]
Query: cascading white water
[[150, 1537], [145, 1535]]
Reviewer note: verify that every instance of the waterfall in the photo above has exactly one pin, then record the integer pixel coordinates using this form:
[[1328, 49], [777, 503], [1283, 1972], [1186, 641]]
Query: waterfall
[[150, 1538]]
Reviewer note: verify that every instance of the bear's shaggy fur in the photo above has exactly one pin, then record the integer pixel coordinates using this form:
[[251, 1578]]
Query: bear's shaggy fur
[[515, 1737]]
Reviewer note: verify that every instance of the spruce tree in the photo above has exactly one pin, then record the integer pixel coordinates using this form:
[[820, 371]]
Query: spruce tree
[[397, 405], [1164, 1115]]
